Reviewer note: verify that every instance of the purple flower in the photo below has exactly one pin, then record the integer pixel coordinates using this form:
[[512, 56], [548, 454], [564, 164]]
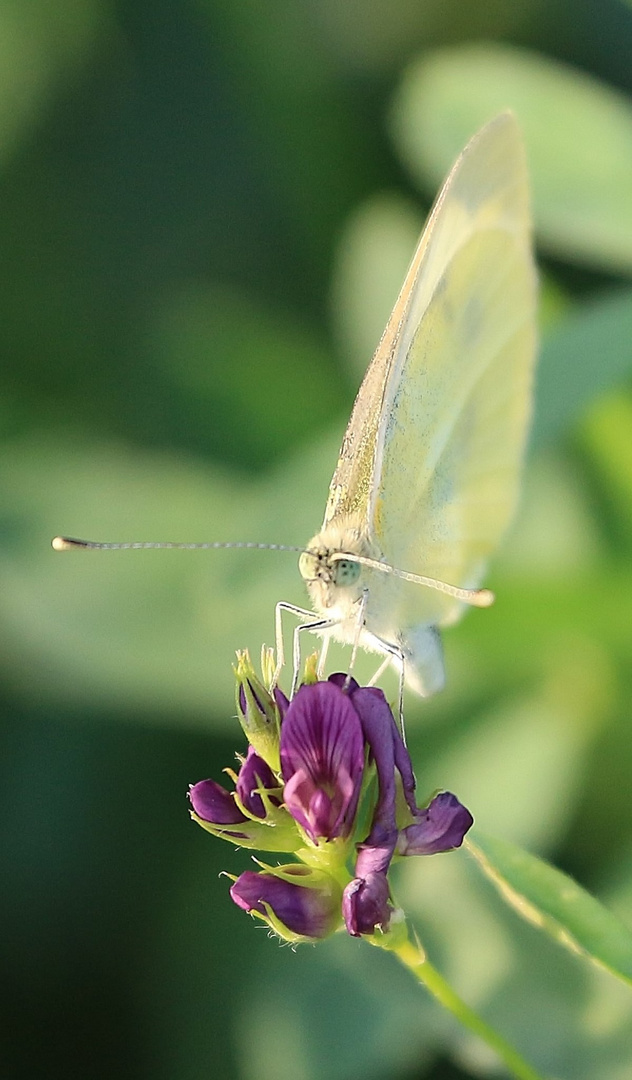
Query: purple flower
[[213, 803], [440, 827], [313, 752], [365, 904], [253, 775], [322, 761], [305, 907]]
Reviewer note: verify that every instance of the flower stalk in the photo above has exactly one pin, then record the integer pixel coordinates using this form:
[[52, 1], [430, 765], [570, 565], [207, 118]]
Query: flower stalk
[[413, 957]]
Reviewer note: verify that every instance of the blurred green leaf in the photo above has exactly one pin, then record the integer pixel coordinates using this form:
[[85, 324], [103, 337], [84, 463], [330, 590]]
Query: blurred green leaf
[[372, 257], [519, 765], [583, 356], [312, 143], [606, 432], [578, 133], [555, 535], [374, 36], [41, 46], [571, 1019], [551, 900], [341, 1011], [244, 380]]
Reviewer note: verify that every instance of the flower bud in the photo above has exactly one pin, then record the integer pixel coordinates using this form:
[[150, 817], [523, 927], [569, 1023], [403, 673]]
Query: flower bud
[[365, 905], [441, 826], [251, 816], [255, 776], [298, 903], [213, 803], [259, 711]]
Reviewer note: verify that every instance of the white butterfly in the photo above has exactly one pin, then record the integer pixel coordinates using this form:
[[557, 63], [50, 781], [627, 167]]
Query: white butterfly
[[428, 474]]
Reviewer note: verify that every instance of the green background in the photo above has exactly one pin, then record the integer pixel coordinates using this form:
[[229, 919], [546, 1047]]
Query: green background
[[206, 209]]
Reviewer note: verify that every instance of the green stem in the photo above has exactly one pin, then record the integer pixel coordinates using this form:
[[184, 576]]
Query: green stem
[[414, 958]]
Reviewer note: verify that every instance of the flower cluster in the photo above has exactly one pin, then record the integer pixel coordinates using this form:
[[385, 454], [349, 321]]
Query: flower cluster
[[327, 779]]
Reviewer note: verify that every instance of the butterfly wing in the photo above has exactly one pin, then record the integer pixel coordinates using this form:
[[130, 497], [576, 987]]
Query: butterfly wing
[[457, 400], [431, 458]]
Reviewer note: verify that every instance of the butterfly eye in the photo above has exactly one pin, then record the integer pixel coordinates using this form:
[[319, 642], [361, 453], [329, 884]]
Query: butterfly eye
[[308, 566], [346, 572]]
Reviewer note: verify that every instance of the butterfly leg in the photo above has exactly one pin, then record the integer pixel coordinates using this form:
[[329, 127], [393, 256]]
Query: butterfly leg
[[322, 659], [396, 652], [356, 637], [316, 625], [315, 628], [301, 613], [380, 671], [392, 652]]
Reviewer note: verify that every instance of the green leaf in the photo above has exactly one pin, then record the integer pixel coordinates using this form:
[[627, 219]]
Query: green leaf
[[588, 353], [551, 900], [578, 133], [41, 47], [606, 434], [373, 255], [230, 365]]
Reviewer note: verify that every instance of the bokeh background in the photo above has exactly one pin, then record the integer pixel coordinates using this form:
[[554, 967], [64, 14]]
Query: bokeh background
[[206, 210]]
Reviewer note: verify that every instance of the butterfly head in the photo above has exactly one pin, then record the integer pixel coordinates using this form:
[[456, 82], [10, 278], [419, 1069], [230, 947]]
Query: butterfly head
[[330, 568], [321, 566]]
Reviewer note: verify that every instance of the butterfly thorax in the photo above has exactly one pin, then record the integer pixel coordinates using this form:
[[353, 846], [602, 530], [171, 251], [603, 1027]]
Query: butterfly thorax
[[335, 583]]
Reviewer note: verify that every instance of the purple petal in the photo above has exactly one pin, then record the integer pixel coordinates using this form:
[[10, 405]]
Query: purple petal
[[213, 803], [375, 854], [256, 703], [379, 731], [404, 766], [440, 827], [365, 905], [255, 773], [282, 703], [322, 760], [344, 682], [367, 706], [306, 911]]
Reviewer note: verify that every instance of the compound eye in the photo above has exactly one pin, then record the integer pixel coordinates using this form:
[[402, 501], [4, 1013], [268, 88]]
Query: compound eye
[[346, 572], [308, 566]]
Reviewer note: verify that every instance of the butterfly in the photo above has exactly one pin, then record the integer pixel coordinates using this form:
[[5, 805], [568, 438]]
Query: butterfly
[[429, 469]]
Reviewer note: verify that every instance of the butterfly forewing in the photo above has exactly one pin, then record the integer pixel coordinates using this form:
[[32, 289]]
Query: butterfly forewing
[[458, 399], [430, 462]]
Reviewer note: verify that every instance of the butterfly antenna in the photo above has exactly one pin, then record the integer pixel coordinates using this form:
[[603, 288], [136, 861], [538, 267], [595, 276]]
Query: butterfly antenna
[[474, 597], [69, 543]]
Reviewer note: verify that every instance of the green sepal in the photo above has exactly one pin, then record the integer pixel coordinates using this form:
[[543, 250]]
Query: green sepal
[[327, 856], [265, 835], [393, 938], [261, 719], [311, 670]]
